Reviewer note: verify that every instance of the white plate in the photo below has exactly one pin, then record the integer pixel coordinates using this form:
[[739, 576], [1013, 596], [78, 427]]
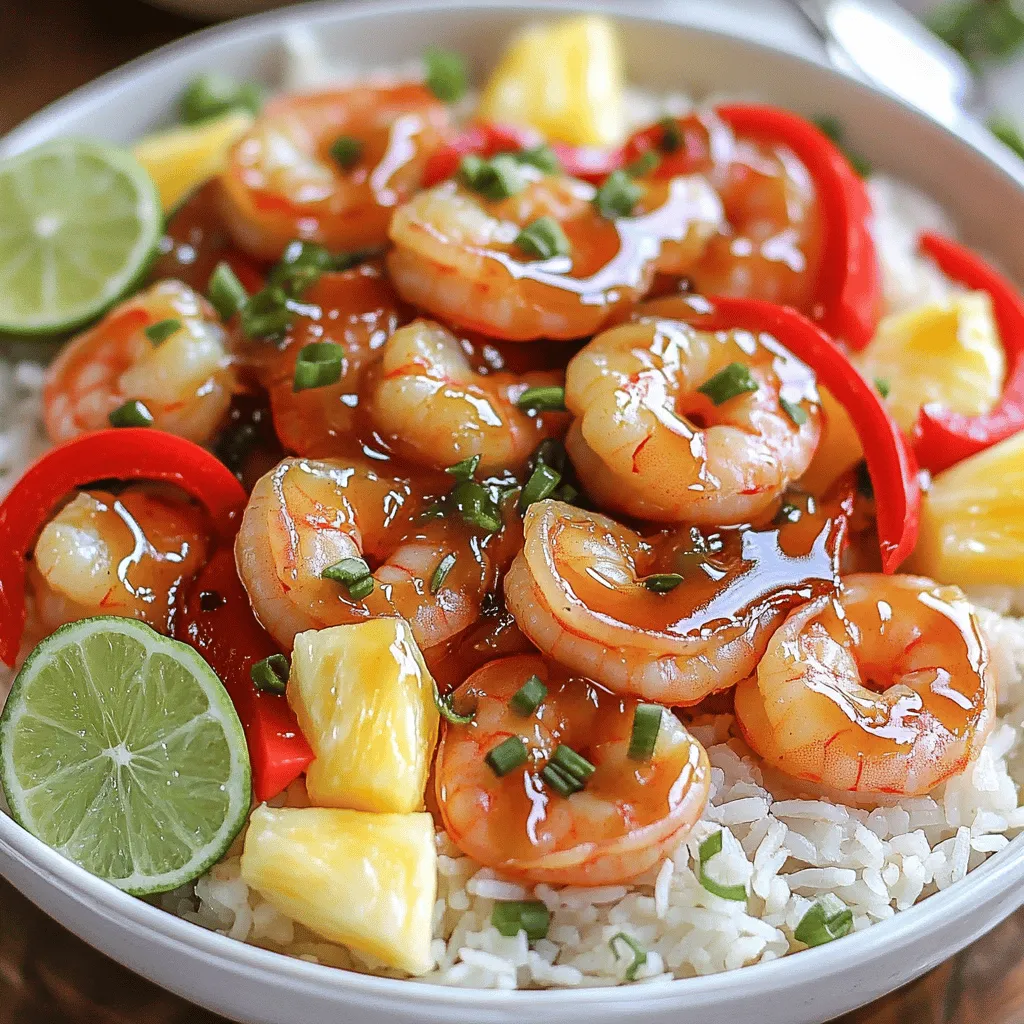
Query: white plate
[[980, 183]]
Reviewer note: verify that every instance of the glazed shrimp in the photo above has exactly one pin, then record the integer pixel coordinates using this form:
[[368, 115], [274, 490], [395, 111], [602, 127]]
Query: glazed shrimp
[[648, 443], [431, 407], [885, 687], [628, 816], [577, 590], [124, 554], [184, 380], [305, 516], [456, 256], [282, 182]]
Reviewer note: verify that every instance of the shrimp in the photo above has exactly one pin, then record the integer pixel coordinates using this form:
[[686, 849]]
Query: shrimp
[[184, 380], [630, 813], [885, 687], [432, 408], [591, 593], [646, 442], [305, 516], [456, 257], [126, 554], [282, 182]]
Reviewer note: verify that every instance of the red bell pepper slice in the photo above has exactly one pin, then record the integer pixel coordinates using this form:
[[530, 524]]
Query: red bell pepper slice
[[133, 453], [693, 154], [943, 437], [891, 463], [217, 620]]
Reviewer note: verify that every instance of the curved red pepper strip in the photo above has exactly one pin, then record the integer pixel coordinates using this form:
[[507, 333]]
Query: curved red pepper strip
[[943, 437], [217, 620], [891, 463], [134, 453], [849, 288]]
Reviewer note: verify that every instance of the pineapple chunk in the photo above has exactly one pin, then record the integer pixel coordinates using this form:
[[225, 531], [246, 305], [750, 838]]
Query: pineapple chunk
[[365, 702], [972, 531], [367, 881], [565, 79], [838, 450], [946, 352]]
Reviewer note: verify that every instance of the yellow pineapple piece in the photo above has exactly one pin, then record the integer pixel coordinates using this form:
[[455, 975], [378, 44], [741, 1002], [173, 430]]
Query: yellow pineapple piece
[[367, 881], [946, 352], [972, 530], [566, 79], [838, 450], [365, 702]]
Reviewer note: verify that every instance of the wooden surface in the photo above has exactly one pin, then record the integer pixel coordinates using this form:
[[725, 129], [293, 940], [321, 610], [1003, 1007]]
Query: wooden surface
[[47, 976]]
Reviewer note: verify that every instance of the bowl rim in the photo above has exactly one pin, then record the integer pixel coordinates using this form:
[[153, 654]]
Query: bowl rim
[[994, 878]]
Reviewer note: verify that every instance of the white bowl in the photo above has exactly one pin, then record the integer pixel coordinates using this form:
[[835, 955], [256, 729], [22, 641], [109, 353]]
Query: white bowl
[[979, 182]]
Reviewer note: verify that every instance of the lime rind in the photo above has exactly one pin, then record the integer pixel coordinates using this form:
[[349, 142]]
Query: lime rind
[[141, 813], [80, 223]]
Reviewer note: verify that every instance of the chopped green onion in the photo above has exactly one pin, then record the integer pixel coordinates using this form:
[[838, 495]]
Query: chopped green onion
[[550, 452], [226, 292], [662, 582], [476, 506], [266, 314], [466, 469], [132, 414], [543, 399], [318, 365], [515, 916], [447, 712], [829, 918], [543, 239], [672, 139], [788, 513], [159, 332], [643, 164], [300, 267], [833, 128], [794, 410], [271, 674], [542, 484], [508, 755], [495, 179], [734, 380], [1006, 130], [711, 847], [446, 74], [346, 151], [541, 156], [646, 726], [618, 196], [638, 951], [560, 780], [882, 386], [528, 697], [353, 574], [572, 763], [441, 572], [566, 493], [213, 94]]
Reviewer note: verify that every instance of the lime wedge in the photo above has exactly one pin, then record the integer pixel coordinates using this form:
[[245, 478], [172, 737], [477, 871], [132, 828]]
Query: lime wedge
[[120, 749], [79, 223]]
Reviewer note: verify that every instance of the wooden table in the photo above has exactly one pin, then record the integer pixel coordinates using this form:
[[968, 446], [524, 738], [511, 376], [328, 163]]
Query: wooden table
[[47, 976]]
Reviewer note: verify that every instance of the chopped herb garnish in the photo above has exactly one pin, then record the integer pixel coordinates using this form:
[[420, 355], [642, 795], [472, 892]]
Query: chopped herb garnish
[[662, 582], [473, 502], [711, 847], [226, 293], [543, 399], [528, 697], [638, 952], [300, 267], [446, 74], [159, 332], [794, 410], [494, 179], [882, 387], [833, 128], [213, 94], [541, 156], [565, 492], [266, 314], [646, 726], [829, 918], [346, 151], [515, 916], [466, 469], [543, 239], [567, 772], [551, 452], [132, 414], [643, 164], [734, 380], [672, 139], [507, 756], [560, 781], [318, 365], [441, 572], [447, 712], [1005, 129], [271, 674], [617, 196], [542, 484], [353, 574]]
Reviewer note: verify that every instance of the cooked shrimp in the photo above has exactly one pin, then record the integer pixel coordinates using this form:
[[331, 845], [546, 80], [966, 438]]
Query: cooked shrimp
[[124, 554], [184, 380], [885, 687], [581, 590], [282, 182], [630, 813], [305, 516], [456, 256], [648, 443], [432, 408]]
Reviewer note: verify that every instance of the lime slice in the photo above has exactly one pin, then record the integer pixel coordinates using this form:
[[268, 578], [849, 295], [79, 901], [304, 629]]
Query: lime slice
[[79, 222], [120, 749]]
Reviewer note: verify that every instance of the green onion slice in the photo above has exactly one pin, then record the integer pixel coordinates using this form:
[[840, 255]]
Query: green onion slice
[[550, 452], [882, 386], [213, 94], [528, 697], [507, 756], [542, 483], [662, 582], [441, 572], [159, 332], [514, 916], [672, 139], [271, 674], [495, 179], [643, 164], [617, 196], [132, 414], [541, 156], [353, 574], [574, 764], [226, 293], [318, 365], [446, 74], [829, 918], [638, 951], [300, 267], [711, 847], [346, 151], [560, 780], [734, 380], [550, 398], [476, 506], [266, 314], [1005, 129], [446, 711], [466, 469], [543, 239], [646, 726], [794, 410]]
